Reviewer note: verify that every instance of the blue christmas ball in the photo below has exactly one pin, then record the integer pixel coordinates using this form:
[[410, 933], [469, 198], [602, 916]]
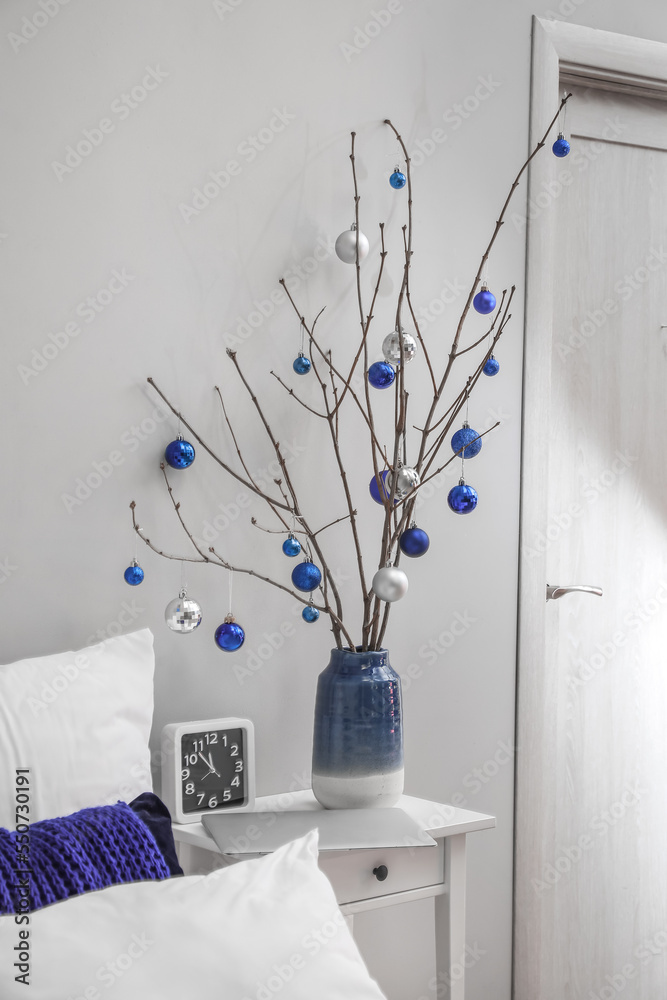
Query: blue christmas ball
[[291, 546], [310, 614], [302, 365], [398, 180], [484, 302], [462, 498], [229, 637], [492, 367], [373, 488], [414, 542], [468, 437], [179, 454], [134, 574], [381, 375], [561, 147], [306, 576]]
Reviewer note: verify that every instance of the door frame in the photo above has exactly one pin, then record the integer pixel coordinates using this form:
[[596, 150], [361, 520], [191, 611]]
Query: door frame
[[562, 54]]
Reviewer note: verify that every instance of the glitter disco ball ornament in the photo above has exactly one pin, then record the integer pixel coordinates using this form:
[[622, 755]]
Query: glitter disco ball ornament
[[469, 438], [291, 546], [182, 614], [484, 302], [381, 375], [462, 499], [310, 614], [134, 574], [391, 347], [414, 542], [492, 367], [179, 454], [390, 584], [398, 179], [561, 147], [406, 480], [306, 576], [302, 365], [346, 246], [229, 636]]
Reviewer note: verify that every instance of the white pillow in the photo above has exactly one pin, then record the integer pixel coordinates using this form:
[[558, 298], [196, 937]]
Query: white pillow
[[80, 722], [257, 930]]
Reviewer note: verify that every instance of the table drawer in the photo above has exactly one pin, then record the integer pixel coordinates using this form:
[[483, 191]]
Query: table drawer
[[351, 872]]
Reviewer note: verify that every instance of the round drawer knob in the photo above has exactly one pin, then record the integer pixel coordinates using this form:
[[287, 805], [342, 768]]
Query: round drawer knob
[[381, 872]]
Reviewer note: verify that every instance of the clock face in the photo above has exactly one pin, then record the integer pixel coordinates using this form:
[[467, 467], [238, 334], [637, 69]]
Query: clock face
[[213, 770]]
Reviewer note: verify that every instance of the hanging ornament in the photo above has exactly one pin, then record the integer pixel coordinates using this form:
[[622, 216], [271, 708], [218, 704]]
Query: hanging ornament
[[485, 301], [414, 542], [469, 438], [301, 364], [390, 584], [406, 480], [306, 576], [462, 499], [291, 546], [134, 574], [561, 147], [374, 491], [229, 636], [391, 347], [492, 366], [346, 245], [179, 454], [182, 614], [397, 179], [309, 613], [381, 375]]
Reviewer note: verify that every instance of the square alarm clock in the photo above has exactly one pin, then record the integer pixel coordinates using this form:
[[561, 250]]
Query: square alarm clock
[[208, 767]]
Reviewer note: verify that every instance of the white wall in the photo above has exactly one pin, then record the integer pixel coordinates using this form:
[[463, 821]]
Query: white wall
[[222, 73]]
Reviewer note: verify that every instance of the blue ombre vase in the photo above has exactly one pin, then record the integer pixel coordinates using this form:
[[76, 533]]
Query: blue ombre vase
[[358, 735]]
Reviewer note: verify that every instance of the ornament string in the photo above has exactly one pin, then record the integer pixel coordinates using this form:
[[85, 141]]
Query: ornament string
[[231, 584], [303, 334]]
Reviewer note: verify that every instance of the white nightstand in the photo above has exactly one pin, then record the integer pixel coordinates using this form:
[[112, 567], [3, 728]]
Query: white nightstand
[[412, 873]]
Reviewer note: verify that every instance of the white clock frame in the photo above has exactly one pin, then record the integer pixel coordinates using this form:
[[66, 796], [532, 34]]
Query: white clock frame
[[171, 766]]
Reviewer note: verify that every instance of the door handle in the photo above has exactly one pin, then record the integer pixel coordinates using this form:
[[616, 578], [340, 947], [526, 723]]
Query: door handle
[[553, 593]]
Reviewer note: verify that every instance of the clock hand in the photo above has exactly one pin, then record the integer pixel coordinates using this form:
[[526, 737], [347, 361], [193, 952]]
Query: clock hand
[[210, 764]]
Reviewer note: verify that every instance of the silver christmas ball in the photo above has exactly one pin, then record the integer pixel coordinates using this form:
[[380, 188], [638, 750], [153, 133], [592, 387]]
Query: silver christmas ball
[[182, 614], [390, 584], [406, 480], [346, 246], [391, 347]]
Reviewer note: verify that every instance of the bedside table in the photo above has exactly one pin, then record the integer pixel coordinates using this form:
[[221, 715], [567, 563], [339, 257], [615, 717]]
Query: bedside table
[[368, 879]]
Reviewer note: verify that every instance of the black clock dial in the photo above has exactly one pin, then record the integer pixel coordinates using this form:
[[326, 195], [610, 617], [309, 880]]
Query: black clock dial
[[213, 770]]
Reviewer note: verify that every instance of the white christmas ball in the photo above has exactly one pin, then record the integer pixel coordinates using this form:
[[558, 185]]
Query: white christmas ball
[[346, 246], [182, 614], [391, 347], [406, 480], [390, 584]]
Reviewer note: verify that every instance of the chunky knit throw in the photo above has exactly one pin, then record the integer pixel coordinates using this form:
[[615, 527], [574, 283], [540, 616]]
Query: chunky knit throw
[[90, 849]]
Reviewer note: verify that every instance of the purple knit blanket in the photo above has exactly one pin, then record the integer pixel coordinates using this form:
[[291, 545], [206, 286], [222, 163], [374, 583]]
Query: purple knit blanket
[[90, 849]]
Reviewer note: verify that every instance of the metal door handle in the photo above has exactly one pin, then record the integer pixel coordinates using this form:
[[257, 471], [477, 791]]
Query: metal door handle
[[553, 593]]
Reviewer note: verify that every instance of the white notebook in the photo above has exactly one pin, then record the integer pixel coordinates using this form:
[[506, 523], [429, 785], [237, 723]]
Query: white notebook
[[340, 830]]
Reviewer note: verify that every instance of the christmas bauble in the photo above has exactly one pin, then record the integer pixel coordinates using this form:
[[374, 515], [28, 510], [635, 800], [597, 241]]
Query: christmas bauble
[[346, 246], [561, 147], [391, 347], [406, 480], [310, 614], [301, 365], [373, 487], [229, 636], [462, 498], [381, 375], [179, 454], [291, 546], [414, 542], [306, 576], [485, 301], [492, 367], [390, 584], [468, 437], [397, 179], [134, 574], [182, 614]]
